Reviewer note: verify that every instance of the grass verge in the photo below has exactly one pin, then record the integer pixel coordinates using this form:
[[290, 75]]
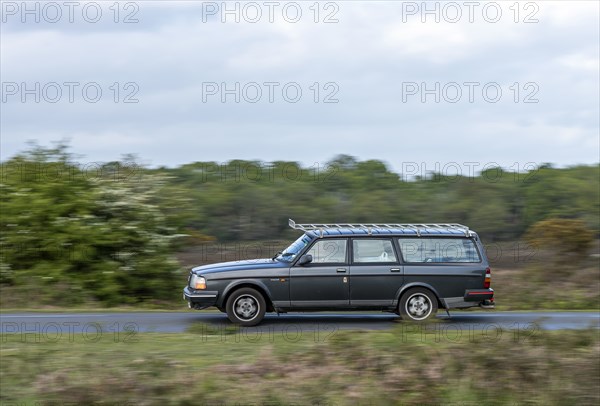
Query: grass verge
[[409, 364]]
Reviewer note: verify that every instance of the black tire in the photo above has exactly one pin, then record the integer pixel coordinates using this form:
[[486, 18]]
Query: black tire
[[246, 307], [418, 304]]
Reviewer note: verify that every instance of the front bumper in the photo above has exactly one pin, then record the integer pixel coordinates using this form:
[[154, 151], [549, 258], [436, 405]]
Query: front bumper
[[200, 299]]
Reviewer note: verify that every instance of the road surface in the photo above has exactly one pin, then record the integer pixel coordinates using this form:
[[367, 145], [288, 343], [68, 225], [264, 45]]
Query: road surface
[[52, 324]]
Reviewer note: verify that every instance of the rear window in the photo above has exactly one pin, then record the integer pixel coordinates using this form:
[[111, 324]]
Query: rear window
[[448, 250]]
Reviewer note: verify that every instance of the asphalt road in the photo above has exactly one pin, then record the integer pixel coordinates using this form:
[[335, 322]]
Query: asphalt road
[[51, 325]]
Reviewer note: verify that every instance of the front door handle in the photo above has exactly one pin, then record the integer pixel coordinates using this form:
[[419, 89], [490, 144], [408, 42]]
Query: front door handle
[[341, 270], [394, 269]]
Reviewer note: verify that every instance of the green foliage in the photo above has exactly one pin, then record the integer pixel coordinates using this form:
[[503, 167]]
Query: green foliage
[[107, 232], [569, 240], [99, 232], [243, 200]]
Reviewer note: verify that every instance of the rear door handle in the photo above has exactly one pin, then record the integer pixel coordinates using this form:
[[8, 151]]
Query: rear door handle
[[341, 270], [394, 269]]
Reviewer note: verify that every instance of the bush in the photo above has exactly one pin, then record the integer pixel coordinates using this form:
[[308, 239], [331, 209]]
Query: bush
[[99, 237], [569, 240]]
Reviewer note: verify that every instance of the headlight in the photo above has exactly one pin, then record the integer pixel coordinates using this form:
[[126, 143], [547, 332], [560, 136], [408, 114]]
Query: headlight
[[197, 282]]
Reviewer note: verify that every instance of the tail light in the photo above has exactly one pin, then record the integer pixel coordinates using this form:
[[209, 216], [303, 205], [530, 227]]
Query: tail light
[[488, 278]]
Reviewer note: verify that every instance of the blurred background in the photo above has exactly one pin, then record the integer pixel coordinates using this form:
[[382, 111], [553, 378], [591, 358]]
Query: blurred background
[[119, 233], [142, 138]]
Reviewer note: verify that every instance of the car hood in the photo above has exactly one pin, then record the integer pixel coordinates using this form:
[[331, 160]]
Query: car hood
[[264, 263]]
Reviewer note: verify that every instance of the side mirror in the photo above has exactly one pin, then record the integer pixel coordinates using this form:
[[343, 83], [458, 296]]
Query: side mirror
[[305, 259]]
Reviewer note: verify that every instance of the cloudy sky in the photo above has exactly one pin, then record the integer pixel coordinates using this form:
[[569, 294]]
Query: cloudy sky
[[183, 81]]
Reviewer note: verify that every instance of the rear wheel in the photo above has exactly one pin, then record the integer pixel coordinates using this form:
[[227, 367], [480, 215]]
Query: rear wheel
[[418, 304], [246, 307]]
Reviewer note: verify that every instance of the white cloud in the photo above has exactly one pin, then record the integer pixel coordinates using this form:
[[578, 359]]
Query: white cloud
[[581, 62]]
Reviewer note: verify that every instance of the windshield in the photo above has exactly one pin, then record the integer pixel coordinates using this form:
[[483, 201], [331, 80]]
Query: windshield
[[290, 252]]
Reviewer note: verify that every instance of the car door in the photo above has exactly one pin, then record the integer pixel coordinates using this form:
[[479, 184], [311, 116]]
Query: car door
[[322, 283], [375, 273]]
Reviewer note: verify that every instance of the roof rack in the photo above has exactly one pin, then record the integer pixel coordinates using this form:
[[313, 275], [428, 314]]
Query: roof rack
[[371, 227]]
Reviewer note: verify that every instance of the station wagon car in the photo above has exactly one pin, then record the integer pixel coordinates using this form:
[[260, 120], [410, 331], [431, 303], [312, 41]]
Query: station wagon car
[[410, 269]]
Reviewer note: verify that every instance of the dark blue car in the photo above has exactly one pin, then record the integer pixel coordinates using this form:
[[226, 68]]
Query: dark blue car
[[410, 269]]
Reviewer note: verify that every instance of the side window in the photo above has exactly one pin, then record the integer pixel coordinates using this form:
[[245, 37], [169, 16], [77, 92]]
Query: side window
[[373, 250], [328, 251], [449, 250]]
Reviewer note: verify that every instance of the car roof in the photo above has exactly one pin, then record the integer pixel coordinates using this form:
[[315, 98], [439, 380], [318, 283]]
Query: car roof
[[384, 232]]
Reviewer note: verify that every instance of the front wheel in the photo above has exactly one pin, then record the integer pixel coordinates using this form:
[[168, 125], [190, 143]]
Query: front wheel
[[418, 304], [246, 307]]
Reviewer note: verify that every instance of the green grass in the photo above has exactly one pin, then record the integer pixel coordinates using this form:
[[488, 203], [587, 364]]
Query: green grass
[[409, 364]]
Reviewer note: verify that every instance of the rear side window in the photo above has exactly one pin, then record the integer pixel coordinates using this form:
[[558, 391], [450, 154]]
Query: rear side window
[[448, 250], [373, 250]]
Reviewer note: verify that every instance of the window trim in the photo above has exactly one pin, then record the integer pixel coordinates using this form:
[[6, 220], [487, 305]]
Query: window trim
[[404, 261], [390, 239]]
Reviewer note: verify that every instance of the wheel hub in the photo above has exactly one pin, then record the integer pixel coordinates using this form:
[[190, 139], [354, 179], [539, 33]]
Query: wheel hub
[[246, 307], [418, 306]]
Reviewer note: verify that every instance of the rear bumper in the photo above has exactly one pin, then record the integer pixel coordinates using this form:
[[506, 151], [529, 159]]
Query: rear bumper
[[483, 298], [479, 295], [200, 299]]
